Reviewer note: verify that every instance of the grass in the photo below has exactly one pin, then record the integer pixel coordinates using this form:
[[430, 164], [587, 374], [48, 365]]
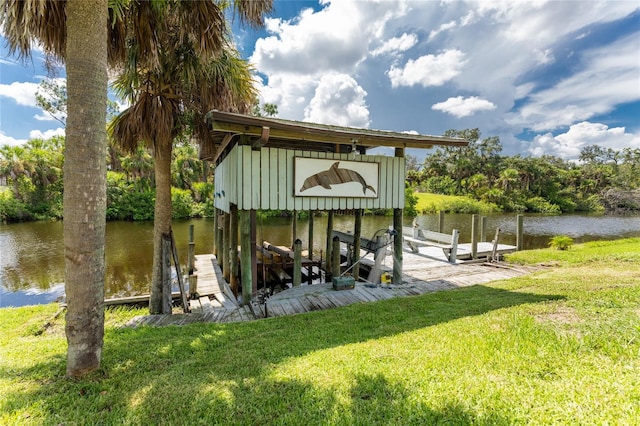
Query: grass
[[432, 203], [561, 346]]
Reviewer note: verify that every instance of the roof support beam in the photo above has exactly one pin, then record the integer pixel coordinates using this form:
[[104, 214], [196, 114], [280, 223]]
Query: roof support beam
[[263, 139]]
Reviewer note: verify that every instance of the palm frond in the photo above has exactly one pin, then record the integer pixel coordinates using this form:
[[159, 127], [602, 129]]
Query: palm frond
[[253, 11], [22, 22]]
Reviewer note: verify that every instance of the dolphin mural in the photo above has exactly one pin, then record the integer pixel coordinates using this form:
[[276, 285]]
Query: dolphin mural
[[335, 176]]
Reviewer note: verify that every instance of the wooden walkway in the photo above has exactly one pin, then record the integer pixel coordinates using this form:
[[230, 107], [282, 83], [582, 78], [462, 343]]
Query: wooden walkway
[[422, 273]]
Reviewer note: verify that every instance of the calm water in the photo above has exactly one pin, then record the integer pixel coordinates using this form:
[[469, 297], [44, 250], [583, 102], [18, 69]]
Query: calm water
[[32, 262]]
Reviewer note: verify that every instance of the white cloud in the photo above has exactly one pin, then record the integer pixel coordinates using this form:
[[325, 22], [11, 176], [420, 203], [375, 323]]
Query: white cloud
[[8, 140], [444, 27], [47, 134], [338, 100], [463, 107], [568, 145], [23, 93], [609, 78], [396, 44], [334, 40], [428, 70], [544, 57]]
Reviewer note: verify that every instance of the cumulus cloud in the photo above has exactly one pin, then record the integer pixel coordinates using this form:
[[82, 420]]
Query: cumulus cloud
[[568, 145], [428, 70], [336, 39], [609, 78], [463, 107], [47, 134], [396, 45], [8, 140], [338, 100], [23, 93]]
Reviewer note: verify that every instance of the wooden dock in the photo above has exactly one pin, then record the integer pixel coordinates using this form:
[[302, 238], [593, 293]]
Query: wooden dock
[[422, 273]]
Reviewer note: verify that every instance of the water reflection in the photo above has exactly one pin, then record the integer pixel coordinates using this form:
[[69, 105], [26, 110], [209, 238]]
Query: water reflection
[[32, 260]]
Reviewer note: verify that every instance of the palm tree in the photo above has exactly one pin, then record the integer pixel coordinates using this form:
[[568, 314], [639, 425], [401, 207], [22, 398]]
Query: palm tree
[[76, 31], [179, 90], [88, 34]]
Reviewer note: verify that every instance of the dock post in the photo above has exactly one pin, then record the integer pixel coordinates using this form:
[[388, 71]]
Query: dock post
[[167, 252], [191, 252], [474, 236], [441, 221], [215, 233], [297, 262], [294, 228], [397, 246], [310, 233], [252, 250], [335, 257], [483, 229], [357, 231], [226, 249], [327, 267], [218, 238], [519, 231], [233, 241], [245, 256]]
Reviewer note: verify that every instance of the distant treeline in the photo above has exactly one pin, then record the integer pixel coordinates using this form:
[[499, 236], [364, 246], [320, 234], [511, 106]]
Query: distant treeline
[[603, 179], [31, 182]]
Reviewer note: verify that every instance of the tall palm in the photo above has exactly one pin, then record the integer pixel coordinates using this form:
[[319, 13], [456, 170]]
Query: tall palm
[[164, 100], [76, 31], [87, 34]]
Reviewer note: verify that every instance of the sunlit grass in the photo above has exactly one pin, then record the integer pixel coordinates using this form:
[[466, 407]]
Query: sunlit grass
[[433, 203], [561, 346]]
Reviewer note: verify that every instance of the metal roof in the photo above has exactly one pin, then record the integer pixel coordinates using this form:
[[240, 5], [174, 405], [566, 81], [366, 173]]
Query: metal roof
[[229, 128]]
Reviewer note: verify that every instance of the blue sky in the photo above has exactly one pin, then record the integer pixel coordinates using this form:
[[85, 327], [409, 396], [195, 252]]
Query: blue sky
[[547, 77]]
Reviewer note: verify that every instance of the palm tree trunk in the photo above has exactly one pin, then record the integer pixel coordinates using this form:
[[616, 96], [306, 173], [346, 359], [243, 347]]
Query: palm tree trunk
[[85, 183], [161, 221]]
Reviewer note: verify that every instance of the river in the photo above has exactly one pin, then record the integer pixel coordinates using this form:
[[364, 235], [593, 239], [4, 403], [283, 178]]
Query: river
[[32, 261]]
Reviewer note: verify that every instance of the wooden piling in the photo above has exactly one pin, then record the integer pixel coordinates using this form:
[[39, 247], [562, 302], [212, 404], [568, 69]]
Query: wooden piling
[[294, 228], [397, 246], [254, 255], [226, 244], [245, 255], [441, 221], [474, 236], [328, 256], [233, 241], [519, 232], [166, 274], [494, 250], [310, 242], [483, 229], [191, 253], [335, 257], [218, 237], [297, 262], [357, 231]]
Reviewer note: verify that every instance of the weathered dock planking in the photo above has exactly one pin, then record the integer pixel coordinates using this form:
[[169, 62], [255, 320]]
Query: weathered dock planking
[[422, 274]]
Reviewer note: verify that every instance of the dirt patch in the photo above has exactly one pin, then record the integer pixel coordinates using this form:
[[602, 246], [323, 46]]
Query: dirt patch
[[562, 315]]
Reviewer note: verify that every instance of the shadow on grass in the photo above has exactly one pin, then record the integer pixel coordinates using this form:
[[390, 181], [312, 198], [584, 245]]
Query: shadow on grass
[[230, 373]]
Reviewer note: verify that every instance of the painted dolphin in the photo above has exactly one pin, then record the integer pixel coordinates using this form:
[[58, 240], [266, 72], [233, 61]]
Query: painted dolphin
[[335, 176]]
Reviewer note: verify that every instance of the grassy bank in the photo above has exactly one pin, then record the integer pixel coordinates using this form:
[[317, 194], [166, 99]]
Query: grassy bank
[[561, 346], [432, 203]]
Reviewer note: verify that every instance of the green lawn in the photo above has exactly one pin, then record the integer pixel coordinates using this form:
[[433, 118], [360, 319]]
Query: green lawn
[[561, 346]]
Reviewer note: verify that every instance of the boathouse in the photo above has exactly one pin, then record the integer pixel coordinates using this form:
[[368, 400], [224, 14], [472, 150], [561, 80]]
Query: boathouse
[[275, 164]]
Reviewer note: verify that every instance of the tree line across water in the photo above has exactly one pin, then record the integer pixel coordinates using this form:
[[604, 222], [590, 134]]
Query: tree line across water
[[31, 182], [603, 179]]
